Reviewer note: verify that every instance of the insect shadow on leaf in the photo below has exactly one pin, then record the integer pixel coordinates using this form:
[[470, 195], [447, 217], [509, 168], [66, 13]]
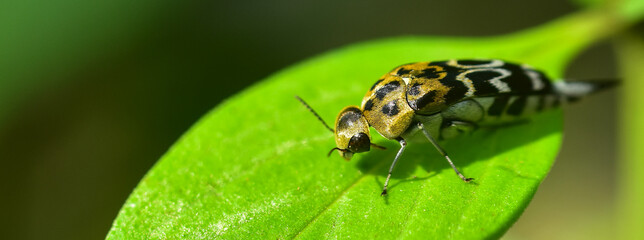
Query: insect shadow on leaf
[[482, 144]]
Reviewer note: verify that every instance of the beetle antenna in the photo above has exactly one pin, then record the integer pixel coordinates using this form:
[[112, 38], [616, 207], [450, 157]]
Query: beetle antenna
[[335, 148], [314, 113]]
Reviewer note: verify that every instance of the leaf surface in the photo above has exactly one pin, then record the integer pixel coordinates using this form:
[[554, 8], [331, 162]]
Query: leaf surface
[[256, 166]]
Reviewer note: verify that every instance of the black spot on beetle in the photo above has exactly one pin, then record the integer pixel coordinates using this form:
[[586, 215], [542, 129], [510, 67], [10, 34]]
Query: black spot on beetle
[[368, 105], [414, 89], [457, 89], [424, 100], [386, 89], [349, 118], [375, 84], [429, 73], [390, 109], [403, 71]]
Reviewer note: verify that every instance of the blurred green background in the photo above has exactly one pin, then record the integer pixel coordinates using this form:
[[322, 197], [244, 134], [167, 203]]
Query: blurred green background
[[92, 93]]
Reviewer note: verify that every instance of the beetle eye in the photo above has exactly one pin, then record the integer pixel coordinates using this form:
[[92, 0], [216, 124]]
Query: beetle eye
[[359, 143]]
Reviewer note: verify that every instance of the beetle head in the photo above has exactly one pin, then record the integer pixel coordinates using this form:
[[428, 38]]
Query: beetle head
[[351, 132]]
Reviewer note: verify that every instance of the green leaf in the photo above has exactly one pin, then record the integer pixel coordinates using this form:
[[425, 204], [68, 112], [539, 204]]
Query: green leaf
[[256, 166], [630, 11]]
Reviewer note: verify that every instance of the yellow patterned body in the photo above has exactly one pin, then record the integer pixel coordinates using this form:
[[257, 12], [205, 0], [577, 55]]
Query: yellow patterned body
[[385, 107], [427, 88]]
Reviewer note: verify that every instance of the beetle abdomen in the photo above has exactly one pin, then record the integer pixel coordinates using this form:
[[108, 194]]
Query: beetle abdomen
[[508, 108]]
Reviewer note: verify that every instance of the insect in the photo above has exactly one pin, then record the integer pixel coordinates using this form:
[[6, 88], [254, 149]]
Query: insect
[[442, 99]]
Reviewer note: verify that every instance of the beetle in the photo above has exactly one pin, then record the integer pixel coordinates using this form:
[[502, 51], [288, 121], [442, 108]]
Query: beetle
[[443, 99]]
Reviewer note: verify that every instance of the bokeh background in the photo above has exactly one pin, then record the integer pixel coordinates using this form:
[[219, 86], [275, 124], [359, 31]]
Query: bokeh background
[[92, 93]]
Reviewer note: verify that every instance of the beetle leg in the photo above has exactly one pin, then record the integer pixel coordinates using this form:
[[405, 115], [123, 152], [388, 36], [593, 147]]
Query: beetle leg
[[442, 152], [403, 144]]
